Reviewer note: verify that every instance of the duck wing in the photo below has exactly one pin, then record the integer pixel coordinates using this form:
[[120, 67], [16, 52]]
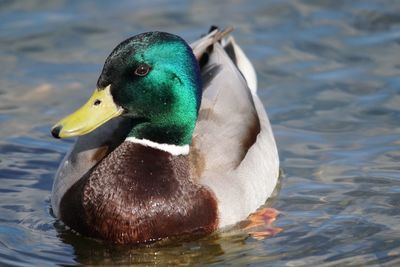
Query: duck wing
[[233, 150], [227, 124]]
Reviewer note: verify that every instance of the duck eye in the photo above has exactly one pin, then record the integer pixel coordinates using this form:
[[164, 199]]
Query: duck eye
[[142, 70]]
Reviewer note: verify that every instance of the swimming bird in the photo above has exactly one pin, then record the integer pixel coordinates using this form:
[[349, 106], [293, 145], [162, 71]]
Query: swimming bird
[[174, 141]]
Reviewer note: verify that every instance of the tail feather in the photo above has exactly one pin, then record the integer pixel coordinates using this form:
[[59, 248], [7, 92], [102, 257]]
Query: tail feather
[[203, 47], [242, 62]]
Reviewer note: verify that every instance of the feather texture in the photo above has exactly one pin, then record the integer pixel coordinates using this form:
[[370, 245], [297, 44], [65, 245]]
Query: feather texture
[[233, 151]]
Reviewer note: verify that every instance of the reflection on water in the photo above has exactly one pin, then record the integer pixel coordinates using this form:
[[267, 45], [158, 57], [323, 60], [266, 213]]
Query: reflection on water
[[329, 77]]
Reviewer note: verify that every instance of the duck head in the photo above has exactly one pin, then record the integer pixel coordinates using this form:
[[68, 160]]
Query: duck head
[[154, 79]]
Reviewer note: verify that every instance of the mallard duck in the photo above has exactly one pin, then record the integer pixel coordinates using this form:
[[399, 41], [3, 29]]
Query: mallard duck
[[174, 141]]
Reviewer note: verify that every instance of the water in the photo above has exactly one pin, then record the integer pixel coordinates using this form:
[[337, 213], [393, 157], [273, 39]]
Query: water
[[328, 75]]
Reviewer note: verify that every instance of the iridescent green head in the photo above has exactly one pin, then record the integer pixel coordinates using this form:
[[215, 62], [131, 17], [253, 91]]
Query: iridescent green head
[[153, 78]]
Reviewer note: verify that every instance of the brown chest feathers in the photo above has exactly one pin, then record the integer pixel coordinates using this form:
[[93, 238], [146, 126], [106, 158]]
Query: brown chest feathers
[[139, 194]]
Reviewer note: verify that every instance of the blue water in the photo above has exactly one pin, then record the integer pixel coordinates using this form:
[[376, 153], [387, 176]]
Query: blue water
[[329, 76]]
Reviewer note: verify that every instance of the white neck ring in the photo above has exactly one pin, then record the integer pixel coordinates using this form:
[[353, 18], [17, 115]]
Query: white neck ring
[[172, 149]]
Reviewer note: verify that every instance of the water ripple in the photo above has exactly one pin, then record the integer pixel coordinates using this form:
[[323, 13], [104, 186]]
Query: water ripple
[[328, 75]]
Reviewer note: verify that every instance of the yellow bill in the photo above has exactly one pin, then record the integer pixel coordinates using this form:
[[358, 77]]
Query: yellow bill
[[99, 109]]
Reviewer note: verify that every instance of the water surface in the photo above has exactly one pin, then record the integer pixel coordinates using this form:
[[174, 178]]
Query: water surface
[[328, 76]]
